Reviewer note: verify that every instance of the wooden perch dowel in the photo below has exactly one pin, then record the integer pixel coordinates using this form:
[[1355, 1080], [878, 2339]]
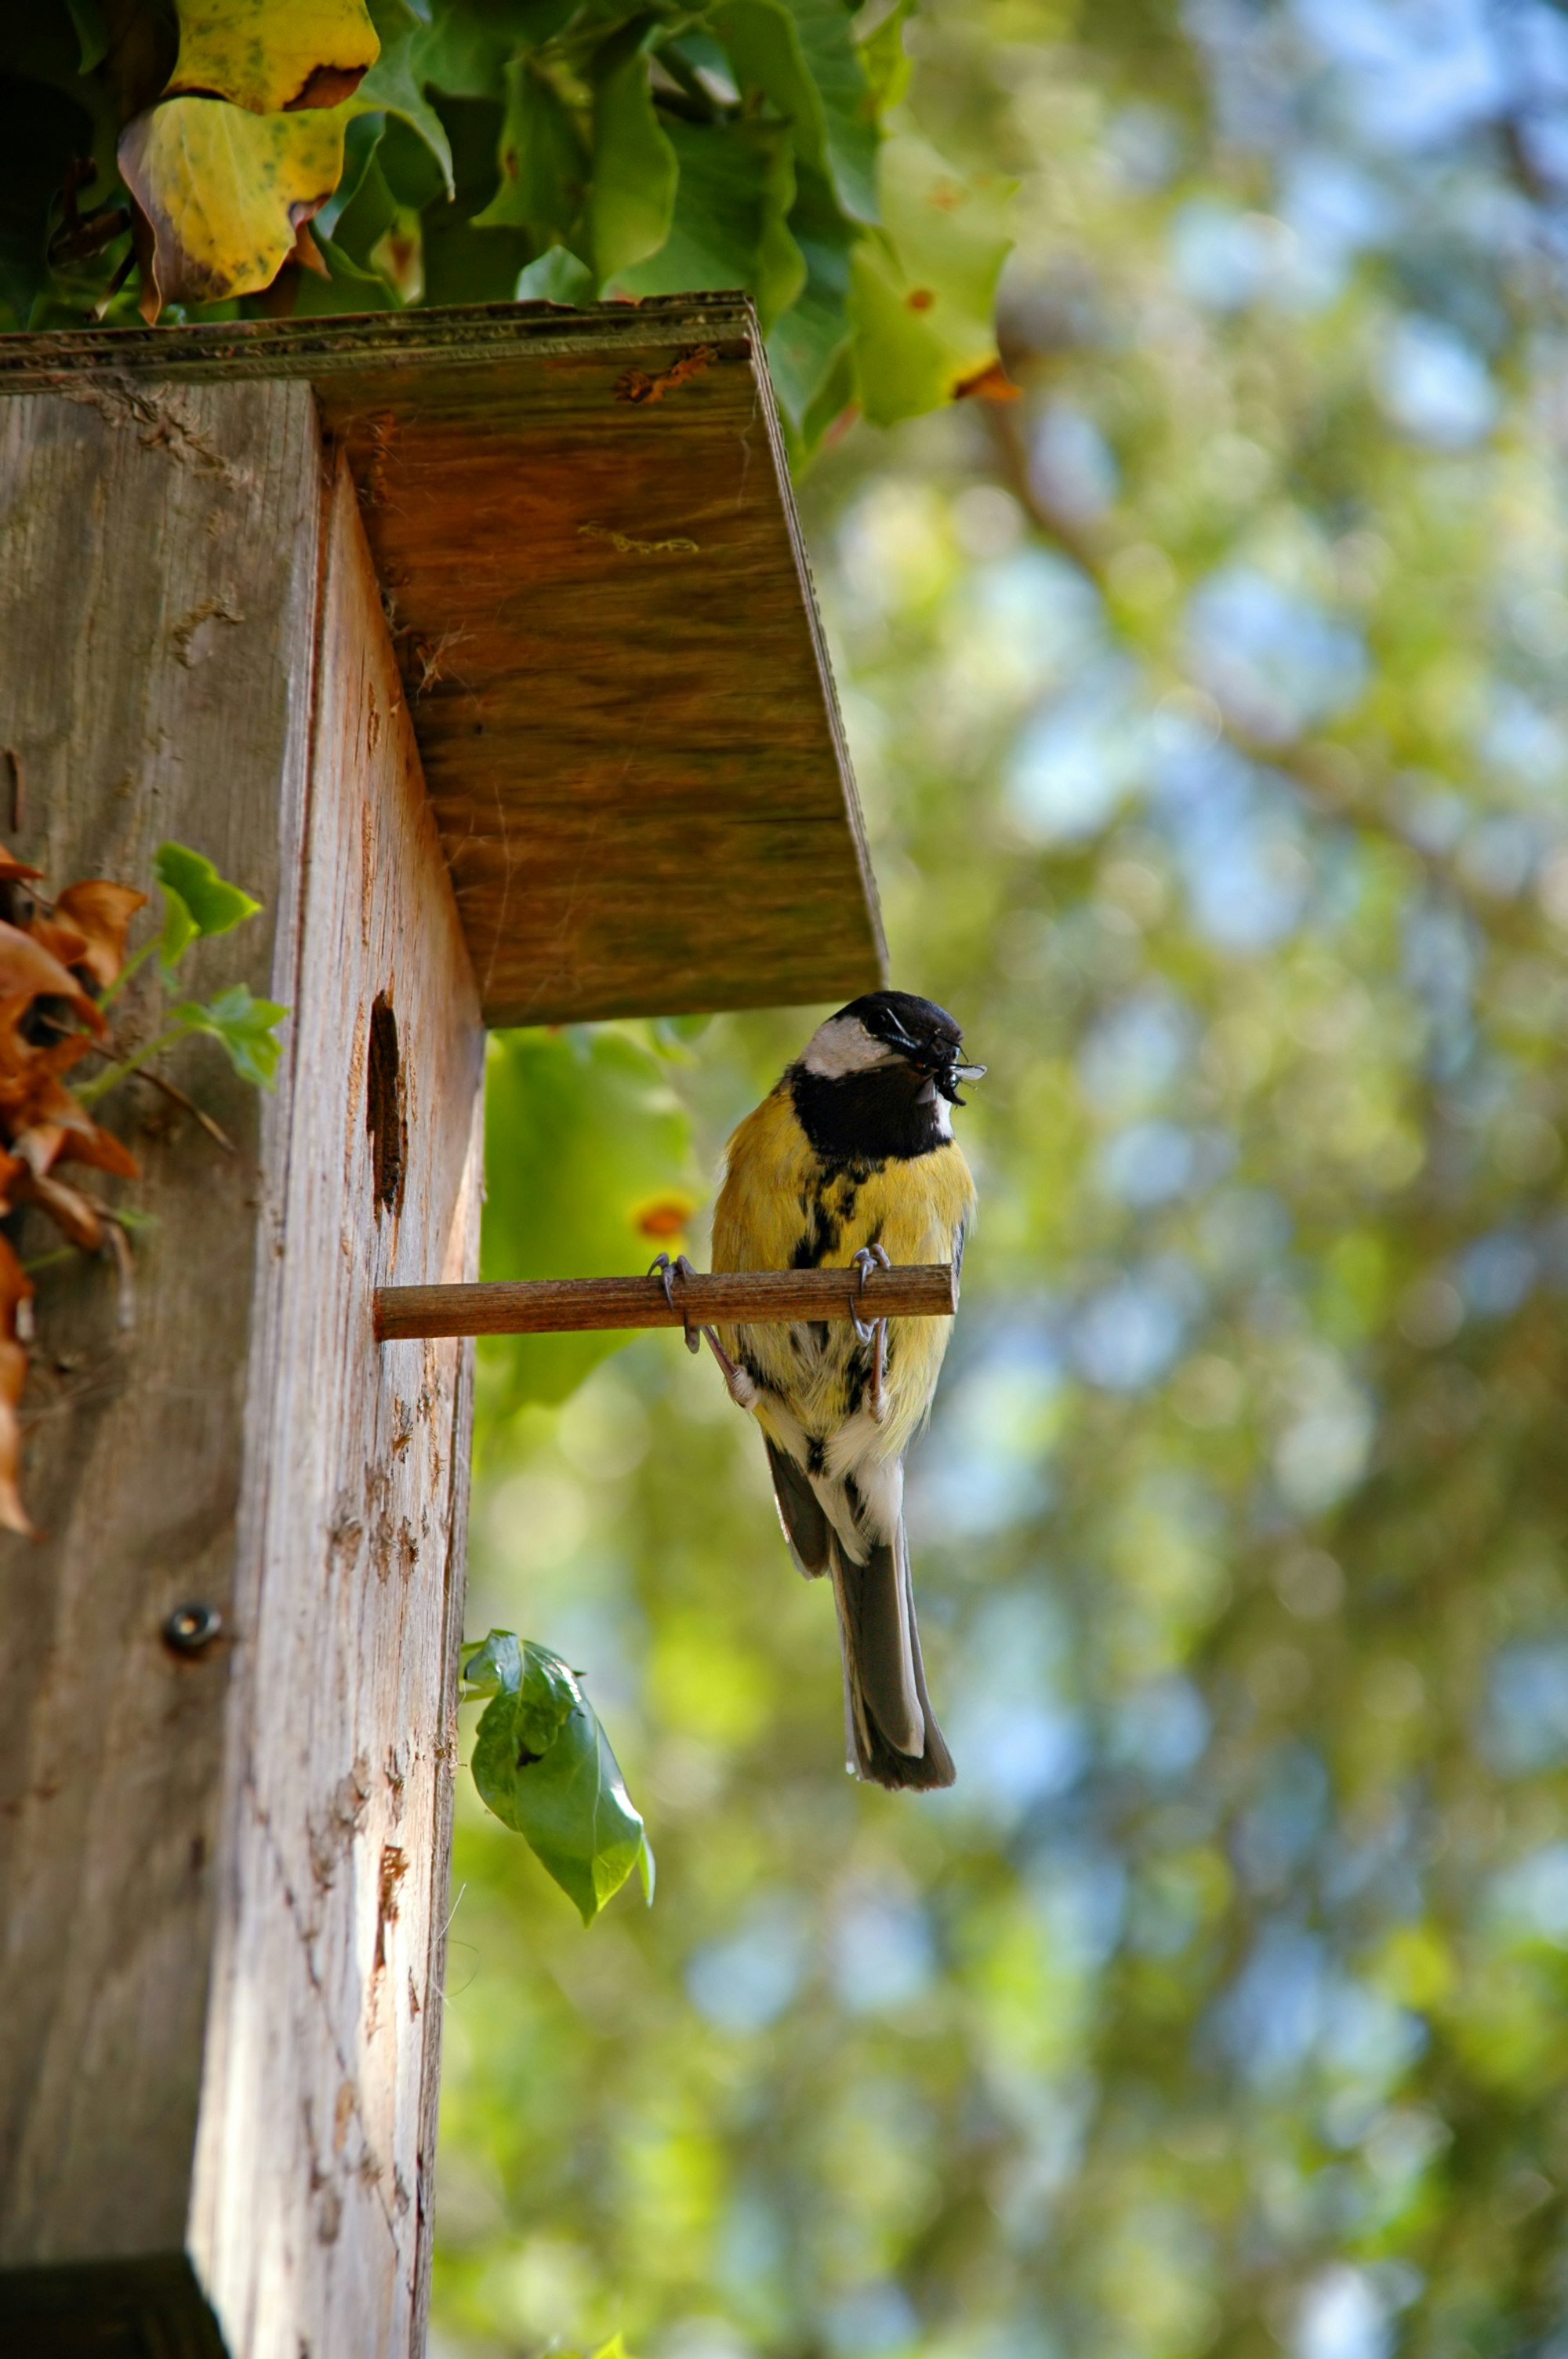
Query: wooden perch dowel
[[560, 1306]]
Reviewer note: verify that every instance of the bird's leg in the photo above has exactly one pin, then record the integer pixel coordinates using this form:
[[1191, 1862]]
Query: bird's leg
[[873, 1331], [741, 1384]]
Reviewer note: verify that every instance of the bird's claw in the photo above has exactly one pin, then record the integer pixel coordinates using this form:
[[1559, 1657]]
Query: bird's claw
[[668, 1270], [742, 1385], [872, 1331], [868, 1259]]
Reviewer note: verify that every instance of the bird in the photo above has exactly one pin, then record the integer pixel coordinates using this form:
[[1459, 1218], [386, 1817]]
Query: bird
[[851, 1157]]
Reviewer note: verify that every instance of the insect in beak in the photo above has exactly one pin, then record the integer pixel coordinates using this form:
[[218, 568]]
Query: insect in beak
[[948, 1081]]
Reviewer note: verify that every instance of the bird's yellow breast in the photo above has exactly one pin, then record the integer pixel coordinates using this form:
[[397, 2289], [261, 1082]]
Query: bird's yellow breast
[[781, 1207]]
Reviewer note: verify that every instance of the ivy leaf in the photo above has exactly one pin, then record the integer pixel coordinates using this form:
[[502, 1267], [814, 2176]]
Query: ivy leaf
[[635, 172], [558, 277], [223, 193], [393, 86], [923, 296], [268, 55], [544, 1688], [884, 59], [497, 1665], [87, 17], [543, 167], [799, 54], [244, 1025], [198, 901], [41, 130], [810, 338], [543, 1765], [729, 229]]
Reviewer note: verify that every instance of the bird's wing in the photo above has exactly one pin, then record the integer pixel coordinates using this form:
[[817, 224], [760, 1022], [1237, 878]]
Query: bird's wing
[[800, 1513]]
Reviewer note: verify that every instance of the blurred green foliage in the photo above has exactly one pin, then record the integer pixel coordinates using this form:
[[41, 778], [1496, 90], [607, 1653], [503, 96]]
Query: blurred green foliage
[[536, 149], [1208, 711], [588, 1170]]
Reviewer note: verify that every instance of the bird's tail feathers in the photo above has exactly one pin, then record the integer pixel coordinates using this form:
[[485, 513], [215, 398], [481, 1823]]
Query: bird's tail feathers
[[891, 1732]]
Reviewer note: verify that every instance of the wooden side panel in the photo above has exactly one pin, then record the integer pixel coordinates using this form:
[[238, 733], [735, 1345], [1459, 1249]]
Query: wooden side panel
[[157, 602], [311, 2181]]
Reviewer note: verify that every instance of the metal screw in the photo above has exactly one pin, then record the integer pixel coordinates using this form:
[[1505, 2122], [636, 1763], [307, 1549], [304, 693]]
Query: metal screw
[[191, 1629]]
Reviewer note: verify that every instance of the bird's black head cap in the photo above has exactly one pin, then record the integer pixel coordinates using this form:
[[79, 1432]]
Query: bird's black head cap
[[872, 1079]]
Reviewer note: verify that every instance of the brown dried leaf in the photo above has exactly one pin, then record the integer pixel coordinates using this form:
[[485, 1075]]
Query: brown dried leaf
[[101, 1149], [102, 912], [79, 1219], [62, 943], [28, 971], [11, 867], [13, 1378], [40, 1112], [15, 1287]]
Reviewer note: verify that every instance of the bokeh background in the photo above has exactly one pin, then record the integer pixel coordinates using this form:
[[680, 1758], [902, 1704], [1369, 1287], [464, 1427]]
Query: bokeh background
[[1207, 703]]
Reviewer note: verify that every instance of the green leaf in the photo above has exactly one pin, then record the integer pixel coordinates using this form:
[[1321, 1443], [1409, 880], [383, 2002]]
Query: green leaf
[[198, 901], [361, 140], [558, 277], [544, 166], [634, 170], [810, 338], [543, 1765], [541, 1685], [886, 60], [923, 297], [799, 54], [40, 131], [463, 265], [87, 16], [495, 1668], [462, 51], [393, 84], [588, 1170], [245, 1026], [737, 183]]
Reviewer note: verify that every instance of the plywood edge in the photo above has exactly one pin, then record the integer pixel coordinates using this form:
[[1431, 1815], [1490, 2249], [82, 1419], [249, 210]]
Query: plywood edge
[[852, 815], [453, 335]]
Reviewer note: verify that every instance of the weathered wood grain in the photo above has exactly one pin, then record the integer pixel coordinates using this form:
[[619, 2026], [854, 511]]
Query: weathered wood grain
[[559, 1306], [222, 1878], [312, 2182], [157, 600], [605, 625]]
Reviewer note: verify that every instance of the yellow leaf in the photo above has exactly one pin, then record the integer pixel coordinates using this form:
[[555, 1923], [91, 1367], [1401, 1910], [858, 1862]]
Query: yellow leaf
[[923, 294], [272, 55], [223, 192]]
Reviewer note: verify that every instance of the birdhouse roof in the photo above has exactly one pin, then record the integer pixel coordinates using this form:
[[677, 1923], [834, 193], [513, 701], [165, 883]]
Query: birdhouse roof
[[593, 573]]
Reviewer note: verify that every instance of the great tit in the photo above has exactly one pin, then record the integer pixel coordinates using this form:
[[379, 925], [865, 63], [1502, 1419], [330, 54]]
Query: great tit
[[852, 1155]]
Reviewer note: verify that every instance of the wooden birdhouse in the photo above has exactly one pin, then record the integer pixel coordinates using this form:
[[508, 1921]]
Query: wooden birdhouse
[[480, 647]]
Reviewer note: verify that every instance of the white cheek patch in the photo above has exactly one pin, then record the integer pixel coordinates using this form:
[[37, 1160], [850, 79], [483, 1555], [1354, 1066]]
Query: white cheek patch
[[843, 1045], [931, 1096]]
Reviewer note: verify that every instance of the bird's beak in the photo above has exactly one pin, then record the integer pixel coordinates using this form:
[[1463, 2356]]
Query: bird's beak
[[948, 1081]]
